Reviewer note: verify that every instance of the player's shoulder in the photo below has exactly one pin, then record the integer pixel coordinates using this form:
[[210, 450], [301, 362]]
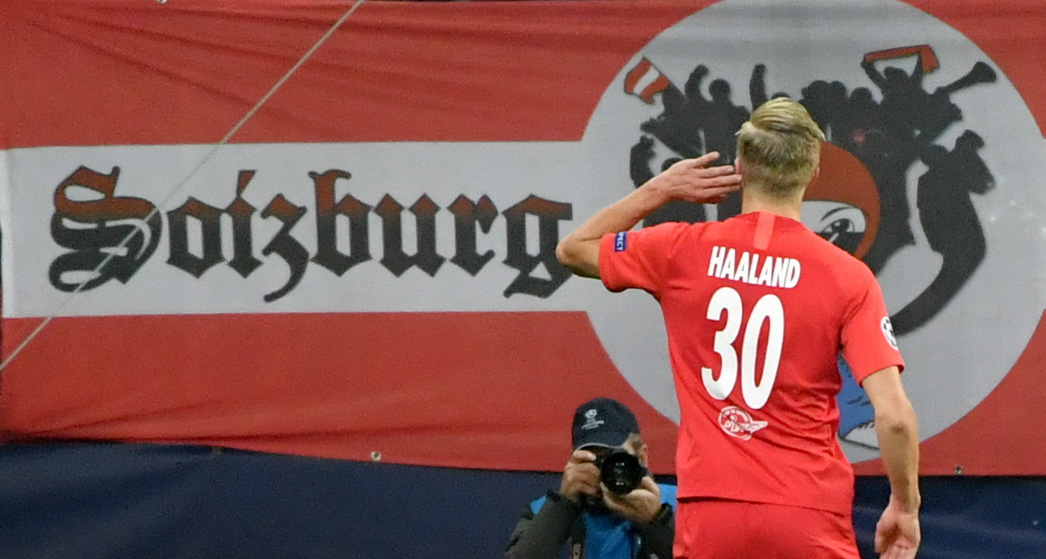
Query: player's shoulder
[[837, 258], [671, 233], [712, 229], [681, 227], [832, 269]]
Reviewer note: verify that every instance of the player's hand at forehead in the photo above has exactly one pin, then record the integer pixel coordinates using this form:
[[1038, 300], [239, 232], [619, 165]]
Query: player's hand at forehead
[[693, 180]]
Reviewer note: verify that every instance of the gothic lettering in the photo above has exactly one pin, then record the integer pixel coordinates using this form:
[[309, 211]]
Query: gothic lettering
[[394, 258], [243, 260], [284, 245], [327, 211], [103, 244], [549, 215], [467, 215], [208, 218], [123, 232]]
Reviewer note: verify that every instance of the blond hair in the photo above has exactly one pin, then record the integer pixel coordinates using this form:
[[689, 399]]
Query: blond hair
[[779, 148]]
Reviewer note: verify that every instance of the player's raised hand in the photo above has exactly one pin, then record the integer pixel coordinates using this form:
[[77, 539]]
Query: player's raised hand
[[692, 180], [897, 534]]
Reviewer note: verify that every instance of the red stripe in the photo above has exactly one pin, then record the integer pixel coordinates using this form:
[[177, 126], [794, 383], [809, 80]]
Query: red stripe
[[141, 73], [764, 229], [929, 58], [633, 77], [658, 86], [477, 390], [111, 70]]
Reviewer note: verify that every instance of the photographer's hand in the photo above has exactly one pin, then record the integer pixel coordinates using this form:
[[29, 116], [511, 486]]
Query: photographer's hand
[[580, 477], [641, 506]]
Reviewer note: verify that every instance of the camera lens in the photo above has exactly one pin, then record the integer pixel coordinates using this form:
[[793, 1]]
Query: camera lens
[[621, 472]]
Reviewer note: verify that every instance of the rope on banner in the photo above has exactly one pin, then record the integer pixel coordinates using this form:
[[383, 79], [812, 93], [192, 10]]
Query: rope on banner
[[156, 210]]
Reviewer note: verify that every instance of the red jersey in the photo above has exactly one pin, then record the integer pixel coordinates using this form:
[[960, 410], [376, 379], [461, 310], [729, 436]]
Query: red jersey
[[757, 308]]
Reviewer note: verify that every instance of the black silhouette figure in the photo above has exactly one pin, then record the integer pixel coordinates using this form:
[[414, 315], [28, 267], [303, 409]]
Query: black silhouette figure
[[857, 122], [888, 137], [676, 210], [757, 86], [721, 121], [904, 98], [910, 119], [815, 98], [696, 107], [679, 125], [891, 154], [950, 223], [690, 125]]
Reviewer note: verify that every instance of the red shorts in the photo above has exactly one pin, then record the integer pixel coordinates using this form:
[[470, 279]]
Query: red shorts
[[717, 529]]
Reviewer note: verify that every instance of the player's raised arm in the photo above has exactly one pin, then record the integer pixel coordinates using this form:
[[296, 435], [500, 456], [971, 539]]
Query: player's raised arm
[[691, 180], [897, 535]]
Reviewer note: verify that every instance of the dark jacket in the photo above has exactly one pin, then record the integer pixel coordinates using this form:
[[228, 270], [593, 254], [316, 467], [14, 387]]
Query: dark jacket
[[551, 521]]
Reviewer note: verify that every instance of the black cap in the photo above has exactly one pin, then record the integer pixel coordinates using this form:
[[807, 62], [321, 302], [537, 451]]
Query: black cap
[[604, 422]]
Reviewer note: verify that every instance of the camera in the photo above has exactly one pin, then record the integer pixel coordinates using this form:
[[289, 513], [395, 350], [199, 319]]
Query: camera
[[619, 470]]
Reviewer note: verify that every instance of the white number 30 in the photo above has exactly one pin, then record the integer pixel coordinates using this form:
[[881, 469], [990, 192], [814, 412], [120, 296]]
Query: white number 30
[[767, 309]]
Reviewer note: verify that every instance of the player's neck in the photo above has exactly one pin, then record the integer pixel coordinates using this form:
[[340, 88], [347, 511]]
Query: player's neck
[[751, 202]]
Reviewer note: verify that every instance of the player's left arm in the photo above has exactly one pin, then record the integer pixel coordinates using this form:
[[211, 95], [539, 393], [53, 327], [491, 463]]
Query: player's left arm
[[870, 348], [898, 433], [691, 180], [897, 534]]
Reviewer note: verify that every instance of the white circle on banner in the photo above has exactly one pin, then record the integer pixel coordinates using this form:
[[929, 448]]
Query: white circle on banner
[[955, 352]]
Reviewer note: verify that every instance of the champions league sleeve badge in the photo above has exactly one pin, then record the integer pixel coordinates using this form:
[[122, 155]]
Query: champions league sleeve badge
[[621, 241]]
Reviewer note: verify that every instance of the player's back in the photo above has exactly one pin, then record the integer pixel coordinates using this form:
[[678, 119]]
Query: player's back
[[755, 308]]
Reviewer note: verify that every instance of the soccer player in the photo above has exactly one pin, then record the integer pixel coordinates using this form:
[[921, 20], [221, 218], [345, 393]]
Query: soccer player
[[757, 308]]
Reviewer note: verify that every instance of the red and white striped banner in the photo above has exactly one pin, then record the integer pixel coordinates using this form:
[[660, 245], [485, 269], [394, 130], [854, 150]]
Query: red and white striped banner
[[367, 268]]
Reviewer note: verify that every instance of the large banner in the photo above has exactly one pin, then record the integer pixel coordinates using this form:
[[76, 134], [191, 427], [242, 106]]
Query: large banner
[[365, 268]]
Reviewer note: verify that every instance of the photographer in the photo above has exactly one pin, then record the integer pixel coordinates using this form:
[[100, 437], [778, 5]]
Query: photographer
[[608, 505]]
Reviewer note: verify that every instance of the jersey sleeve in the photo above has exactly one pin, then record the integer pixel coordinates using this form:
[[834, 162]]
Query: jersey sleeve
[[638, 258], [869, 344]]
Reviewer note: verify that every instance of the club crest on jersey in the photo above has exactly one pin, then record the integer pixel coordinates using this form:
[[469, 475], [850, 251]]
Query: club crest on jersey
[[737, 422]]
